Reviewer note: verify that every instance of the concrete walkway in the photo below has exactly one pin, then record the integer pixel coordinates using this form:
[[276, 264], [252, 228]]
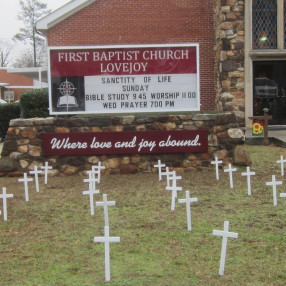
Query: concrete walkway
[[276, 135]]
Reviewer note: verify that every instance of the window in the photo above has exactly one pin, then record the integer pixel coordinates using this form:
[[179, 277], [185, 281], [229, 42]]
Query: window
[[9, 95], [264, 24]]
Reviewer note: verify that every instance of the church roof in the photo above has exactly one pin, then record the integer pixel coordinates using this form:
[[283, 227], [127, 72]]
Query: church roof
[[61, 14]]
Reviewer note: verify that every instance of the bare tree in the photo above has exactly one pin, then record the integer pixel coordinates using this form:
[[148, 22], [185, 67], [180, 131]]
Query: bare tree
[[6, 49], [26, 59], [31, 12]]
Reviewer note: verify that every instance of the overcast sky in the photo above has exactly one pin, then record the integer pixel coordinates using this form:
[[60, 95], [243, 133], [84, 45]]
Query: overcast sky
[[9, 9]]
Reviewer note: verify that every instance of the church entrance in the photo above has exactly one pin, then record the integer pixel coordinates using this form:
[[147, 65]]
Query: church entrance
[[269, 90]]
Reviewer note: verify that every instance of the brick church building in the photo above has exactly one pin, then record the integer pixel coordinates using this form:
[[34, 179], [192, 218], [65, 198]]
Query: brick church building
[[217, 27], [219, 61], [241, 43]]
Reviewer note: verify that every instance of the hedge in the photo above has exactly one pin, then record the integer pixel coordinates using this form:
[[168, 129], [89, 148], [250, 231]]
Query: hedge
[[8, 111], [34, 103]]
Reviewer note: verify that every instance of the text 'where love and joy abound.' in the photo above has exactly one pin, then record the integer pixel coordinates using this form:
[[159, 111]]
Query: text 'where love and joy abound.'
[[93, 143]]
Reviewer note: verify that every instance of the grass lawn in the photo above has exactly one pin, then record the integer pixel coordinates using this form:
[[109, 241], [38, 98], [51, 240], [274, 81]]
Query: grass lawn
[[49, 240]]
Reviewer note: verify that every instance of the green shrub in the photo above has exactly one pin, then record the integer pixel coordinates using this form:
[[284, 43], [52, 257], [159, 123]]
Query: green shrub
[[34, 103], [8, 111]]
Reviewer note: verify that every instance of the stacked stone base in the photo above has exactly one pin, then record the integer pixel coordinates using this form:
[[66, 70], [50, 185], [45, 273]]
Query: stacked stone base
[[22, 149]]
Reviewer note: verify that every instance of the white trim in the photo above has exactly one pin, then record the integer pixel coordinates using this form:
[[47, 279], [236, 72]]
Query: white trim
[[124, 46], [259, 54], [25, 86], [248, 89], [61, 14]]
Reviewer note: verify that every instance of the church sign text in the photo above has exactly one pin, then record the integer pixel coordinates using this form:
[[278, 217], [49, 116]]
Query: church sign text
[[124, 79]]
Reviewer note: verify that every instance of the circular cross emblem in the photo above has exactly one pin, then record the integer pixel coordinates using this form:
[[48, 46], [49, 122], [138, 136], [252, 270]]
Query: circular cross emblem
[[66, 88]]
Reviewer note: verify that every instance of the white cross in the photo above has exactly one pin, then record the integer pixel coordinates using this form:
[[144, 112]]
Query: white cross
[[274, 183], [91, 192], [26, 180], [36, 172], [230, 170], [216, 162], [282, 195], [281, 161], [107, 240], [168, 175], [97, 169], [188, 202], [174, 188], [91, 179], [248, 174], [4, 196], [159, 166], [105, 203], [46, 167], [225, 234]]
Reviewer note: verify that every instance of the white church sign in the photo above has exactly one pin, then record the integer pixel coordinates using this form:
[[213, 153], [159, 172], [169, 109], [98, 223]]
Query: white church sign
[[124, 79]]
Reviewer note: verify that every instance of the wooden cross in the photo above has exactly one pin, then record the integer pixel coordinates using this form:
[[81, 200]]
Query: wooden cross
[[36, 172], [174, 188], [248, 174], [46, 167], [225, 235], [230, 170], [216, 162], [188, 202], [265, 117], [26, 180], [107, 240], [91, 191], [105, 203], [281, 161], [4, 196], [159, 166], [274, 183]]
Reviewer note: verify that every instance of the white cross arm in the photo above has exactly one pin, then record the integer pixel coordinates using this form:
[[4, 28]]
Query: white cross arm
[[191, 200], [106, 239], [274, 183], [248, 173], [174, 188], [4, 196], [225, 233], [108, 203], [90, 192], [216, 162], [36, 171], [99, 166], [26, 179], [91, 180]]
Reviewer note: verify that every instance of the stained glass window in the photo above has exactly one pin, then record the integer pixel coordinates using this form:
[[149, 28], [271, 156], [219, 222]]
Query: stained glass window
[[264, 24]]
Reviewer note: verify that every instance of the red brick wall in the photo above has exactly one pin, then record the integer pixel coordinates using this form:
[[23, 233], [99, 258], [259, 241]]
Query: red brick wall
[[122, 22]]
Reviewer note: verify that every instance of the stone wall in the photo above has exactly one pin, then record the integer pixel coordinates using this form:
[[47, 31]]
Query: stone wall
[[229, 55], [22, 149]]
